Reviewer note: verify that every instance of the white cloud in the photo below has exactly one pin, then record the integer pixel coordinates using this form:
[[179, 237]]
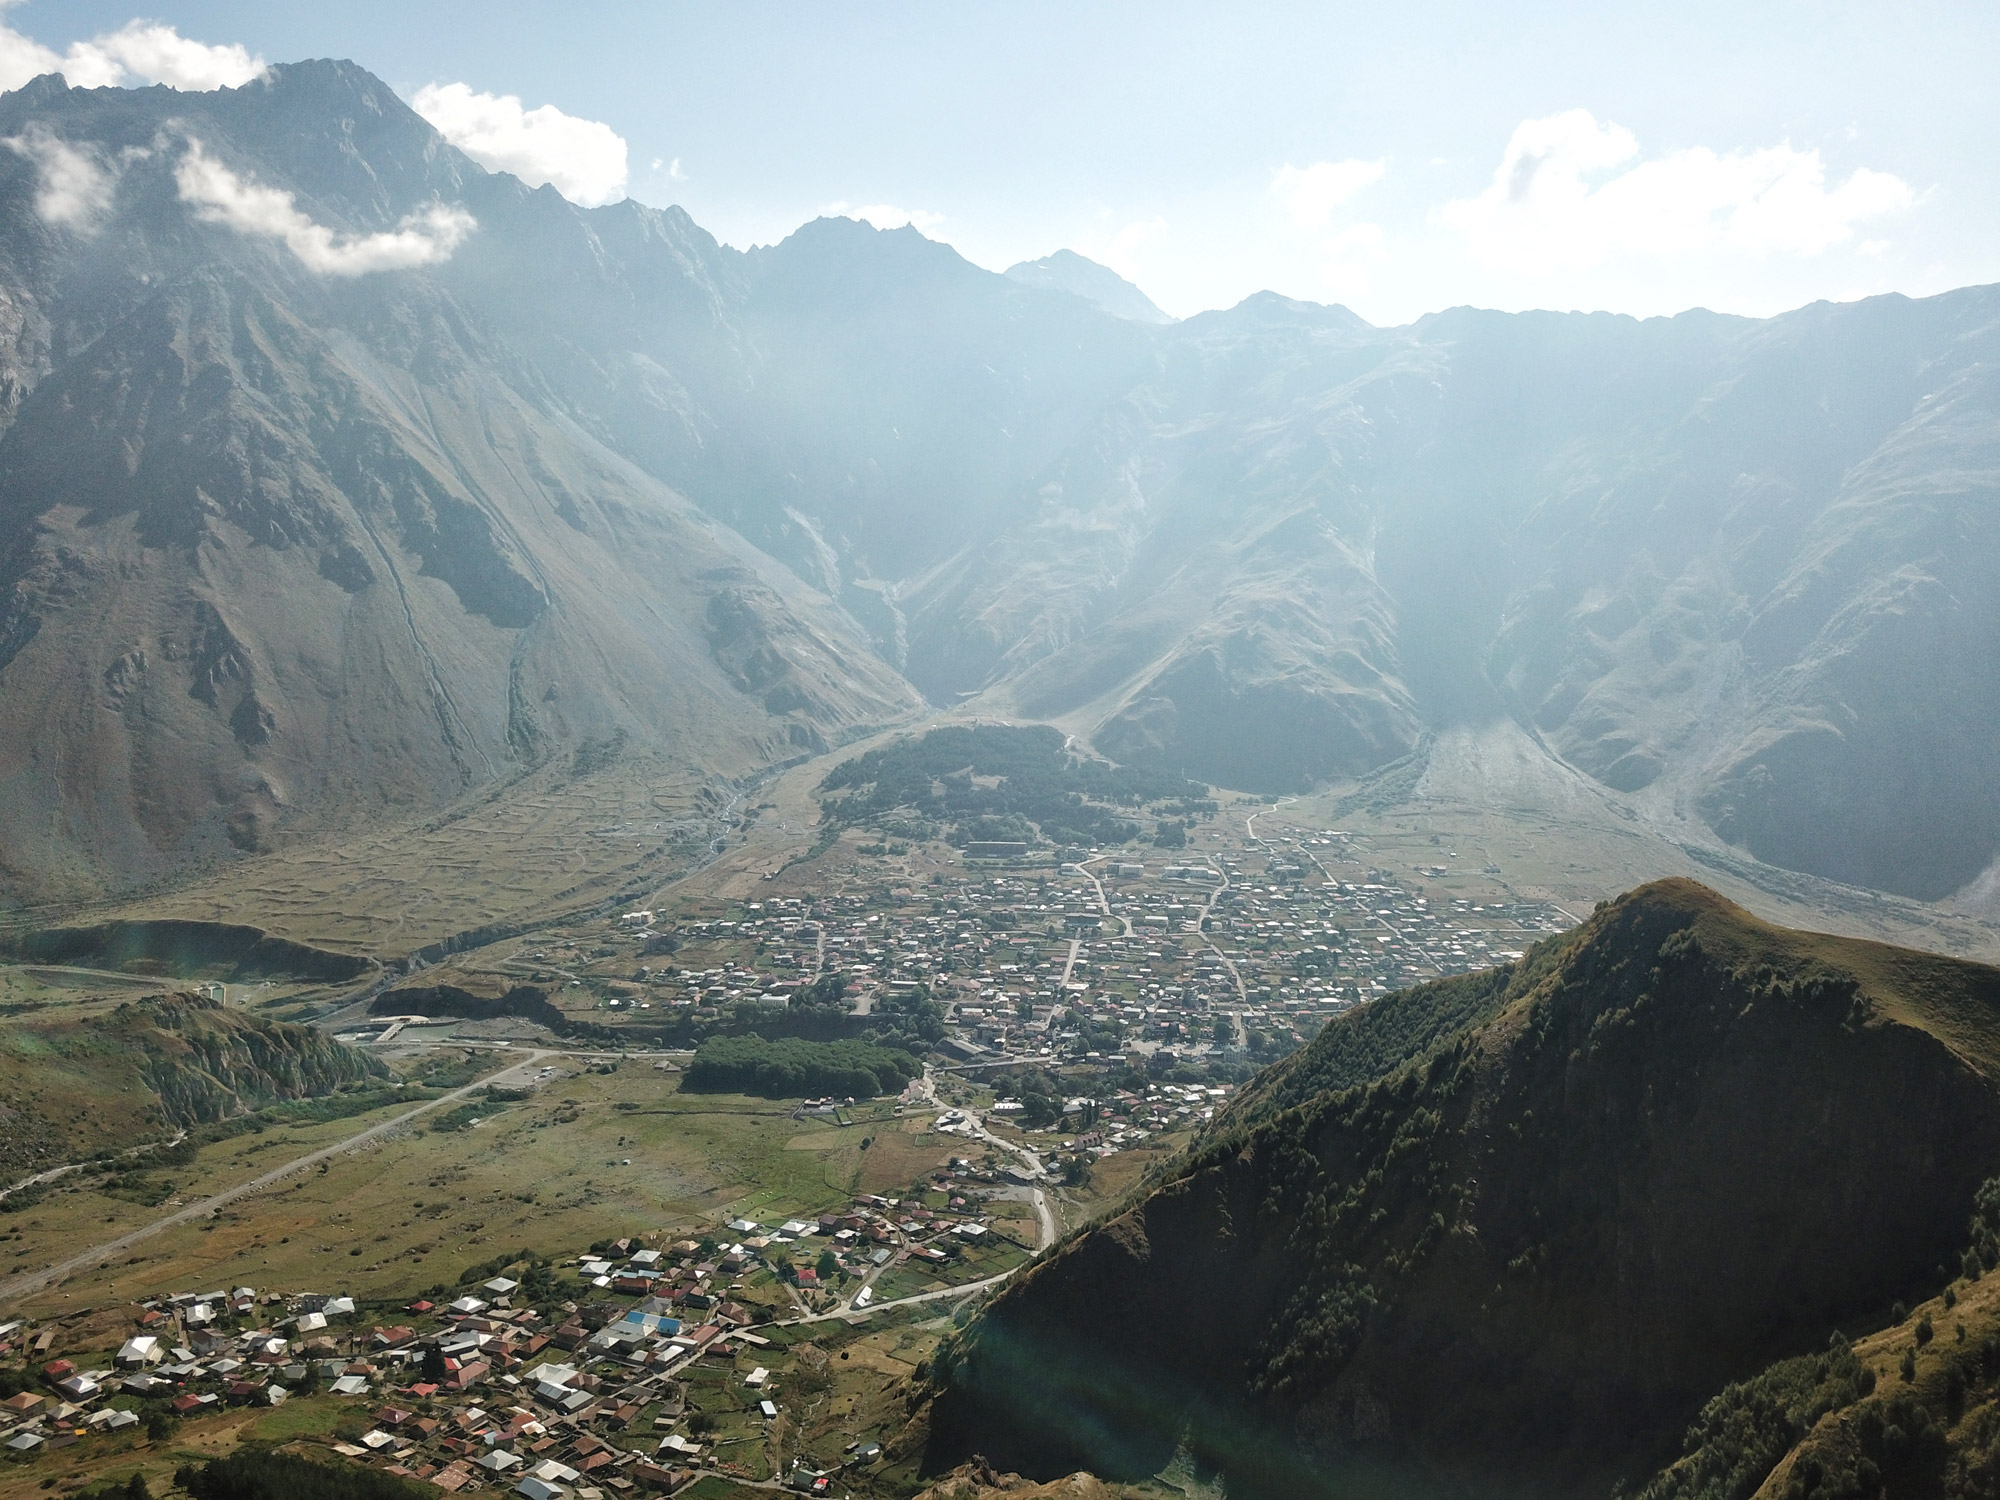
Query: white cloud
[[22, 58], [74, 188], [882, 215], [1552, 206], [222, 197], [584, 159], [1121, 250], [145, 50], [1351, 255], [1314, 192], [159, 54]]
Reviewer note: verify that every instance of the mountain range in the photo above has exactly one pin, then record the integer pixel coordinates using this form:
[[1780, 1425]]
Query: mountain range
[[341, 478]]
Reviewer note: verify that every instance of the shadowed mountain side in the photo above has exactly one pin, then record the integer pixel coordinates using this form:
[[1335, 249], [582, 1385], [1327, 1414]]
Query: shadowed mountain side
[[1683, 1142]]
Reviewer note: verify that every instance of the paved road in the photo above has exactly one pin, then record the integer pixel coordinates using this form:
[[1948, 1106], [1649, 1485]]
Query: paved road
[[938, 1296], [923, 1091], [1082, 868], [34, 1281], [1235, 974], [1069, 964], [1045, 1215]]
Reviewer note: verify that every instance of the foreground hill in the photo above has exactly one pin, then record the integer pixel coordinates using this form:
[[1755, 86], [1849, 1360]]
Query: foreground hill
[[1516, 1257]]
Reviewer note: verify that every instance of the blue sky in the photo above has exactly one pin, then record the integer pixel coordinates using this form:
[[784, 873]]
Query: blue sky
[[1398, 159]]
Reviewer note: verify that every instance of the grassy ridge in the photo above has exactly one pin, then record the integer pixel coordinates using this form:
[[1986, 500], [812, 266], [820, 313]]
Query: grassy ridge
[[1684, 1144]]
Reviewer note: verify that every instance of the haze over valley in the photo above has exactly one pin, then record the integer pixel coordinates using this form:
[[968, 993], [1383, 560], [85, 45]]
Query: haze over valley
[[854, 863]]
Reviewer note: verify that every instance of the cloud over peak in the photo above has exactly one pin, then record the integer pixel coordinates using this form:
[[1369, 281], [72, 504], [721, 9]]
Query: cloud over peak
[[1313, 193], [583, 159], [144, 50], [221, 196], [1559, 199], [73, 187]]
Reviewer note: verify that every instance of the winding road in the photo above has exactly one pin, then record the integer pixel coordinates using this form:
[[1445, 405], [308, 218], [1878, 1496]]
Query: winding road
[[34, 1281]]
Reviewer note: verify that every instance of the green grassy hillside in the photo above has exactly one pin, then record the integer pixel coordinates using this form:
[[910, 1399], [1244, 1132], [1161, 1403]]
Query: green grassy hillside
[[1680, 1144], [70, 1087], [1910, 1409]]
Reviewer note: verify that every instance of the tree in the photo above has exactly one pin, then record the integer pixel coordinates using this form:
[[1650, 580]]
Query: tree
[[433, 1366], [828, 992], [1039, 1109], [829, 1265]]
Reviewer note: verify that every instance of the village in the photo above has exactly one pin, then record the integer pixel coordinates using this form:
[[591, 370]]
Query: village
[[641, 1364], [730, 1351], [1213, 960], [1082, 1015]]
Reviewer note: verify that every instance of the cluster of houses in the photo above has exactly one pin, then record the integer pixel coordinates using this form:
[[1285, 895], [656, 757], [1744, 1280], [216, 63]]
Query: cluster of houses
[[180, 1361], [1126, 1119], [1232, 956], [476, 1394], [484, 1391]]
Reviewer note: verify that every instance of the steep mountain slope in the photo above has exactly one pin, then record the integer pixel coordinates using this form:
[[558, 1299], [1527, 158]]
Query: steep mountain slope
[[1683, 1144], [284, 548], [322, 506], [1912, 1408], [1734, 568]]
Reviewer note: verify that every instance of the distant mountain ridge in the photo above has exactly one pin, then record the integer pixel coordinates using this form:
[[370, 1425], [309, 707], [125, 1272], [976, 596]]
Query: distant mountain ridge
[[1066, 271], [282, 549]]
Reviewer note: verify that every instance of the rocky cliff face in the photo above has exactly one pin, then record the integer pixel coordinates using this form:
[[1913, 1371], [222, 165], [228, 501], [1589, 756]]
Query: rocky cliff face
[[285, 547], [71, 1087], [207, 1063], [1518, 1262], [338, 476]]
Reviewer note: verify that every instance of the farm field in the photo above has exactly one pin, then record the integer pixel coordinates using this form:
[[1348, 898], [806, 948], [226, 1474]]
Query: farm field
[[589, 1155]]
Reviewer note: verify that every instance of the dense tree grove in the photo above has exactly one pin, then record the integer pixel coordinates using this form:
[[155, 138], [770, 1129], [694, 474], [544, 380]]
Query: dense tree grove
[[992, 781], [792, 1068]]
